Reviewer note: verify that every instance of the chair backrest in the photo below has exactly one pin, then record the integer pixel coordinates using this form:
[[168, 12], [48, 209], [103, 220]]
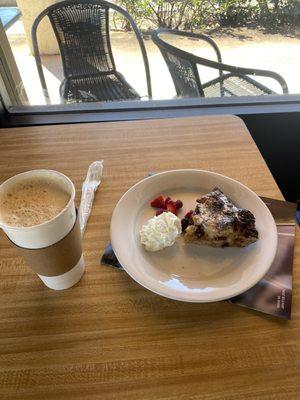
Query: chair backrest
[[183, 65], [82, 31], [184, 74]]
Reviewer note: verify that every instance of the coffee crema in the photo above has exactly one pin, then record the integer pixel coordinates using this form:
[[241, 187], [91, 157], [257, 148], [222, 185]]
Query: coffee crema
[[32, 202]]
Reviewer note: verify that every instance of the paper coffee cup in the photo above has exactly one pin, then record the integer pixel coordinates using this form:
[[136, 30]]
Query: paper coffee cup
[[47, 245]]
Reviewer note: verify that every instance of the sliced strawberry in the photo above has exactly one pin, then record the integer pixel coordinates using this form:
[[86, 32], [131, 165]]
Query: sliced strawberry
[[189, 214], [160, 211], [167, 200], [158, 202], [178, 204], [171, 207]]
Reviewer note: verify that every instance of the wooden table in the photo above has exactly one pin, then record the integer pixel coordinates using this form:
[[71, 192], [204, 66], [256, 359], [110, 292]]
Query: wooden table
[[107, 337]]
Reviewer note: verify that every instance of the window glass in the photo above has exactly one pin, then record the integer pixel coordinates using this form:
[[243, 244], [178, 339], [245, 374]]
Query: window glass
[[96, 52]]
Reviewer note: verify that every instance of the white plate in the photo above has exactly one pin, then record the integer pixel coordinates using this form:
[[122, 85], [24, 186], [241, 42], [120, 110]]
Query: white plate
[[190, 272]]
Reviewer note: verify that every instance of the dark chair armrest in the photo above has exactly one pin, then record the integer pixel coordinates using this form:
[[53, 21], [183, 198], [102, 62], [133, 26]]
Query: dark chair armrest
[[209, 63], [244, 71]]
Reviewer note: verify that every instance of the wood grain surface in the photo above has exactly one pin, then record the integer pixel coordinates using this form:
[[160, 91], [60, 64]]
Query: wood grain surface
[[107, 337]]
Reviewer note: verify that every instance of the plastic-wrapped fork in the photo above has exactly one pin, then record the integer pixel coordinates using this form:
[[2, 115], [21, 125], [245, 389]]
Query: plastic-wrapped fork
[[89, 187]]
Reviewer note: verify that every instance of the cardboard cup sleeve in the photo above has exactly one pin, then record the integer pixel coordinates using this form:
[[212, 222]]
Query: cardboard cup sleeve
[[58, 258]]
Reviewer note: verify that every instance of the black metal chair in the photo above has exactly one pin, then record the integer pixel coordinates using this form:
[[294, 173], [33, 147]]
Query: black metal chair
[[82, 31], [184, 71]]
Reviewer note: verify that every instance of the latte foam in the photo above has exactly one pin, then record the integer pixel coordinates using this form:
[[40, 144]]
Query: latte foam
[[32, 202]]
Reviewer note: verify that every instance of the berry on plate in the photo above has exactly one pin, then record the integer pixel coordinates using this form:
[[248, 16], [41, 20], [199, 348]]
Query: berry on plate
[[172, 207], [189, 214], [158, 202], [160, 211], [178, 204]]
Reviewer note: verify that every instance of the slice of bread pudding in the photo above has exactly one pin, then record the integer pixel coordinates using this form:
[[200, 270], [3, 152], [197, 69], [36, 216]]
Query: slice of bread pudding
[[217, 222]]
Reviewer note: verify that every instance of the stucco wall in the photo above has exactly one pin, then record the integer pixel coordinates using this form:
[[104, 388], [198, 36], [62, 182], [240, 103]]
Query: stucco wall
[[46, 38], [8, 3]]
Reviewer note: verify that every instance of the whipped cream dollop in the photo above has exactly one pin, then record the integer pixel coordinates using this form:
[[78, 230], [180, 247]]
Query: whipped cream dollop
[[160, 231]]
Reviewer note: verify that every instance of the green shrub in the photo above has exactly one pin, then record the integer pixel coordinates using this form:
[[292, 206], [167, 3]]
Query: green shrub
[[203, 14], [237, 12], [278, 13], [159, 13]]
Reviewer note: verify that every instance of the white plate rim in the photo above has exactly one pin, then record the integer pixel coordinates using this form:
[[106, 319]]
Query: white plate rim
[[179, 298]]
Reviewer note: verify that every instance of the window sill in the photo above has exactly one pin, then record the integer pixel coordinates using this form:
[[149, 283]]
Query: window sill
[[116, 111]]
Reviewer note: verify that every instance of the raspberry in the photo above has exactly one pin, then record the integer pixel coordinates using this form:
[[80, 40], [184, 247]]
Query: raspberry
[[178, 204], [158, 202]]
